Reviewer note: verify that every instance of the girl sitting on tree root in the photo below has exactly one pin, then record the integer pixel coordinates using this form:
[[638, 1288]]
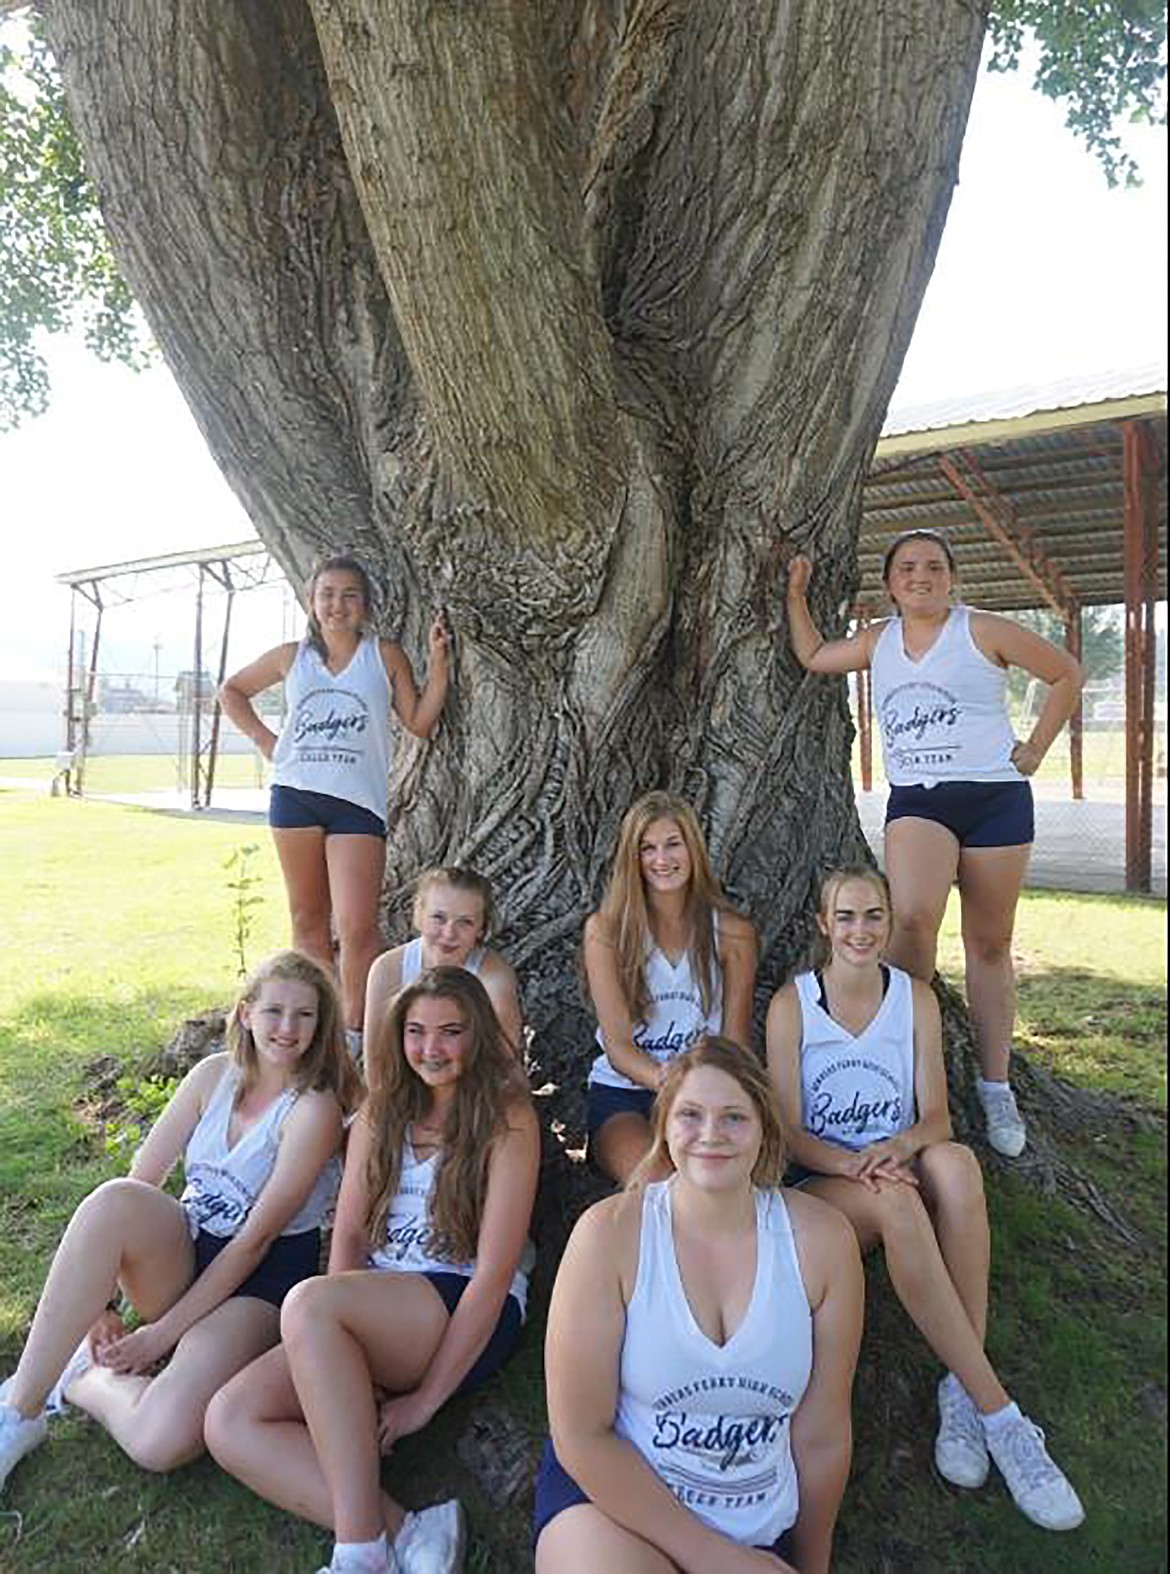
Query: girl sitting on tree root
[[667, 960], [855, 1052], [258, 1130], [453, 911]]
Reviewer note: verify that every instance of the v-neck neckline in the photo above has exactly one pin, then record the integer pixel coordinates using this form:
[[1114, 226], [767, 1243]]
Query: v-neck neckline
[[840, 1026], [916, 661], [674, 1273]]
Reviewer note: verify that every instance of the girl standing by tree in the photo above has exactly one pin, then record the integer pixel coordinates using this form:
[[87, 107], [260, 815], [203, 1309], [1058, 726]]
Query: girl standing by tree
[[453, 912], [701, 1345], [331, 764], [855, 1053], [425, 1293], [960, 803], [667, 960], [258, 1130]]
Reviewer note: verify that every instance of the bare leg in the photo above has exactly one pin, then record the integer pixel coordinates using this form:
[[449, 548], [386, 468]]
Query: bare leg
[[306, 881], [124, 1232], [357, 867], [300, 1427], [159, 1421], [897, 1216], [620, 1144], [922, 858], [989, 884], [952, 1185], [581, 1540]]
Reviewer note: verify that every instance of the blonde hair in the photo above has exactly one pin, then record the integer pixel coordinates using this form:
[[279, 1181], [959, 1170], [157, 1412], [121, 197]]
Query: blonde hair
[[459, 879], [623, 911], [822, 949], [325, 1064], [720, 1054], [490, 1086]]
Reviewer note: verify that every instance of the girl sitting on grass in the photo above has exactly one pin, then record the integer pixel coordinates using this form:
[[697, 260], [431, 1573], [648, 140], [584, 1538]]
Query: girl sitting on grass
[[258, 1130], [855, 1052], [701, 1344], [425, 1293], [453, 914]]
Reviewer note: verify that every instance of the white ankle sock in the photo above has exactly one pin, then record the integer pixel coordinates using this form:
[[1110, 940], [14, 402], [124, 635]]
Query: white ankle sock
[[998, 1419], [361, 1557]]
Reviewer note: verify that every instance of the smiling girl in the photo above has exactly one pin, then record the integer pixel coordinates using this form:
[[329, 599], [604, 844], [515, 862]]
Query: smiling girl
[[258, 1130], [667, 960], [426, 1289], [453, 912], [331, 764], [701, 1344], [855, 1053], [960, 805]]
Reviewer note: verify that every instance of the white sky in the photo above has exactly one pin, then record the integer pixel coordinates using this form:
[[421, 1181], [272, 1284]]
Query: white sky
[[1043, 273]]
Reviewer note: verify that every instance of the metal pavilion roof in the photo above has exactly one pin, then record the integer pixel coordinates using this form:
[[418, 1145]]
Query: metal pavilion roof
[[1045, 462]]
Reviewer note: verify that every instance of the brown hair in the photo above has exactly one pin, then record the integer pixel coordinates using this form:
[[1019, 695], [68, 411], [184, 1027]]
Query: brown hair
[[489, 1088], [343, 562], [460, 879], [326, 1064], [623, 910], [830, 885], [935, 537], [742, 1067]]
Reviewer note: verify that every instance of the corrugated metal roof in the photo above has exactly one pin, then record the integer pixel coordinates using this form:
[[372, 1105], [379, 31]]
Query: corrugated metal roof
[[1056, 483], [1067, 393]]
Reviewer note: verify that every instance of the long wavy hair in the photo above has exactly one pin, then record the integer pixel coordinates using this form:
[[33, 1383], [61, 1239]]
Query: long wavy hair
[[625, 915], [742, 1067], [343, 562], [326, 1064], [459, 879], [490, 1086], [822, 948]]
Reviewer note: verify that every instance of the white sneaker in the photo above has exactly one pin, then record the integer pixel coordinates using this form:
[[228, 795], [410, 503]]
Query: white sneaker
[[18, 1437], [432, 1541], [1006, 1131], [1041, 1489], [960, 1449], [334, 1567]]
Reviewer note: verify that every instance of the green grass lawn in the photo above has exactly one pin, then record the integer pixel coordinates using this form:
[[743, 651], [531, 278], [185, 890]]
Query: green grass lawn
[[118, 773], [119, 923]]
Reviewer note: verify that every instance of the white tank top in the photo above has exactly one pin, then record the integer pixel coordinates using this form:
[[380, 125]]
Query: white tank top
[[857, 1090], [943, 717], [223, 1183], [336, 736], [713, 1420], [410, 1239], [676, 1020], [412, 962]]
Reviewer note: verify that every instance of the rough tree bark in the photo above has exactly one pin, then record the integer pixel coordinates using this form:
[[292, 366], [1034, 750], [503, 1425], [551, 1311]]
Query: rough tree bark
[[577, 316]]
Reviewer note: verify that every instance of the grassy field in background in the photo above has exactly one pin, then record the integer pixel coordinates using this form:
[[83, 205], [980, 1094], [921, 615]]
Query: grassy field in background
[[119, 773], [119, 923]]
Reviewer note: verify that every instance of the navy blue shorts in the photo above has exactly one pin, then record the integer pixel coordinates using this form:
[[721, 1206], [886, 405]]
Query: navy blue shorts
[[505, 1335], [294, 809], [603, 1102], [288, 1260], [556, 1491], [977, 814]]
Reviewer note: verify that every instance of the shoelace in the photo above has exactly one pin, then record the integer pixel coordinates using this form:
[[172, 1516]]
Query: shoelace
[[1024, 1443], [960, 1418]]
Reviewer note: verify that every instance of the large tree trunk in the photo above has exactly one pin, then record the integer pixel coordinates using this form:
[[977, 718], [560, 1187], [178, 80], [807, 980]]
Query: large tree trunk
[[577, 318]]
